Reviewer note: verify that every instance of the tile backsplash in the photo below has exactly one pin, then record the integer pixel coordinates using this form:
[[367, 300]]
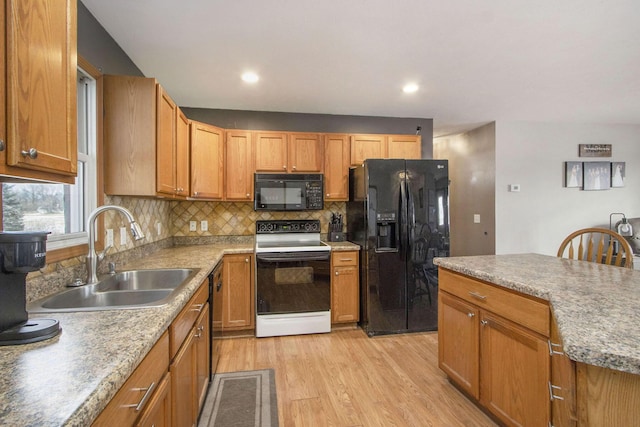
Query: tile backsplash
[[237, 218]]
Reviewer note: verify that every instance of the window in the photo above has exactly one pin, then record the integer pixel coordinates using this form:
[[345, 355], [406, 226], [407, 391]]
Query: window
[[61, 209]]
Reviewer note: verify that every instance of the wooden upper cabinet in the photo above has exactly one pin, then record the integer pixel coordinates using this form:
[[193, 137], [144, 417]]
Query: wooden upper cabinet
[[288, 152], [404, 146], [207, 170], [305, 153], [336, 166], [239, 167], [39, 99], [129, 144], [270, 151], [182, 153], [166, 142], [368, 147]]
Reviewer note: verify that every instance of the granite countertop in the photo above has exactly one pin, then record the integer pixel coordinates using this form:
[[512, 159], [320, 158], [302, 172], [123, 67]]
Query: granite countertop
[[595, 306], [69, 379], [342, 246]]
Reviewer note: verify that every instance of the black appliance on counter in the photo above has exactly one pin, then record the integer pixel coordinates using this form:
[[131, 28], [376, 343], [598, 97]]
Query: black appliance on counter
[[398, 212], [288, 192], [21, 253]]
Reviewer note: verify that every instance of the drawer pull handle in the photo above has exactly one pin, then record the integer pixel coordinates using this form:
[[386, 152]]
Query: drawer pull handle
[[148, 391], [552, 351], [553, 396], [478, 296], [345, 259], [197, 307]]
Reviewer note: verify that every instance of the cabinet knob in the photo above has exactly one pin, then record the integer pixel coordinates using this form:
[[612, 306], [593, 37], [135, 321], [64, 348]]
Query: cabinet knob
[[246, 260], [195, 193], [328, 195], [2, 146], [471, 314], [284, 167], [32, 153], [483, 322], [337, 274], [294, 168], [248, 195]]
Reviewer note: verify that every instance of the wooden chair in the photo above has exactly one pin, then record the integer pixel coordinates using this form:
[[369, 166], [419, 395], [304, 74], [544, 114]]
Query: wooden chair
[[597, 245]]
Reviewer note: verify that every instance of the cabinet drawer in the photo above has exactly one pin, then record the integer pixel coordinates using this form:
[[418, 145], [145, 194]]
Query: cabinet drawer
[[183, 323], [515, 307], [125, 406], [340, 258]]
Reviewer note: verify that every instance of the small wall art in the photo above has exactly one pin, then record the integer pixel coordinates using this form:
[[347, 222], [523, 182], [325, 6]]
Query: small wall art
[[618, 174], [573, 174], [596, 175]]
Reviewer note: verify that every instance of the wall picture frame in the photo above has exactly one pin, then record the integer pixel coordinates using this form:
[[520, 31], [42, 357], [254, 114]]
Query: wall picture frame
[[596, 175], [618, 173], [573, 174]]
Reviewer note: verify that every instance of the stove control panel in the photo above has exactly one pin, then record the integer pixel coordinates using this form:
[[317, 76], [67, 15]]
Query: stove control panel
[[288, 226]]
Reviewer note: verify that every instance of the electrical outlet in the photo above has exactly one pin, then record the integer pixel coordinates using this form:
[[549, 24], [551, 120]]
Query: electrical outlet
[[109, 241], [123, 236], [204, 225], [192, 226], [158, 228], [476, 218]]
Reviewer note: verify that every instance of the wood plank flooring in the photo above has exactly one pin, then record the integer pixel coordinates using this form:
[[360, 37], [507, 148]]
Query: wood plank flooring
[[347, 379]]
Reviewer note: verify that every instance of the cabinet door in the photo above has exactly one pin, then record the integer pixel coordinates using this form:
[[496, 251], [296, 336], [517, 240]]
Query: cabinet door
[[458, 342], [166, 143], [367, 147], [183, 383], [182, 154], [336, 166], [206, 161], [239, 167], [158, 411], [41, 104], [237, 292], [270, 151], [404, 146], [514, 375], [305, 152], [563, 380], [345, 295], [203, 361]]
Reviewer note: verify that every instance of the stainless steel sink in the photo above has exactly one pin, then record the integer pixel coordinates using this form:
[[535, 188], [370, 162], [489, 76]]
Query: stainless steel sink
[[124, 290]]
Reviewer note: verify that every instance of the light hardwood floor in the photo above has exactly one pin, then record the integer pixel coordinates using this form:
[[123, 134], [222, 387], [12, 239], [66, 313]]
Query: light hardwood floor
[[347, 379]]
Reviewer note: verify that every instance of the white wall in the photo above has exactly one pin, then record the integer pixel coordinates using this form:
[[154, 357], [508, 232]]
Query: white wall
[[533, 154]]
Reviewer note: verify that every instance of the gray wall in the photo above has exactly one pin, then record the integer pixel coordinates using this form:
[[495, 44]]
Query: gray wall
[[100, 49], [472, 169]]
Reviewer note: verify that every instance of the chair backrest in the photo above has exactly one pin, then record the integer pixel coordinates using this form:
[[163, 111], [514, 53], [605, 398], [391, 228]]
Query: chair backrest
[[599, 245]]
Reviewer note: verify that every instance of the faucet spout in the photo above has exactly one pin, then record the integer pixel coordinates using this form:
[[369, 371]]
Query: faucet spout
[[93, 258]]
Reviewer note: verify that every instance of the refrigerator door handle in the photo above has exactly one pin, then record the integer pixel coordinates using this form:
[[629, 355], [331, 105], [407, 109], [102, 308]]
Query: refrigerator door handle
[[411, 214], [402, 220]]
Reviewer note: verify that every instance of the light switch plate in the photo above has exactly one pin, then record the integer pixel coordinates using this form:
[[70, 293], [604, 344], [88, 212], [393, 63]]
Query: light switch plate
[[514, 188], [192, 226], [158, 228], [204, 225], [123, 235], [109, 241], [476, 218]]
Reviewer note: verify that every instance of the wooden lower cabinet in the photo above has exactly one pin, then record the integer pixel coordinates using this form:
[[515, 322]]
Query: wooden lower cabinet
[[563, 383], [133, 398], [158, 413], [203, 357], [500, 363], [238, 293], [183, 386], [345, 287]]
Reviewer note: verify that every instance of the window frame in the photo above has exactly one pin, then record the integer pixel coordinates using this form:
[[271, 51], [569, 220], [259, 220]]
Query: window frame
[[56, 255]]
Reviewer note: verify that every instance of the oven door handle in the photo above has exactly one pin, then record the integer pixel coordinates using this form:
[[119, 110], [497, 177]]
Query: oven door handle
[[297, 256]]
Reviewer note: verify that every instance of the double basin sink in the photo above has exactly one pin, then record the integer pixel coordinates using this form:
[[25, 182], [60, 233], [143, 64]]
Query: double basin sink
[[123, 290]]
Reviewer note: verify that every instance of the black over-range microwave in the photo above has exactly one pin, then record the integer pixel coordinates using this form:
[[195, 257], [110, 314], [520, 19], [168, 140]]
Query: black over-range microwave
[[288, 192]]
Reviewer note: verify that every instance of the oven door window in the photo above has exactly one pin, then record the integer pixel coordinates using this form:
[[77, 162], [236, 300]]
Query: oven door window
[[293, 282]]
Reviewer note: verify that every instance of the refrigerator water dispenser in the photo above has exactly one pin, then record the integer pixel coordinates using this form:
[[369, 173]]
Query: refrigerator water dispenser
[[386, 232]]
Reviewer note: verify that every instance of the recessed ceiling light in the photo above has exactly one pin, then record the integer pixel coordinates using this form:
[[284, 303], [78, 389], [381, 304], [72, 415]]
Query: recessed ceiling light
[[250, 77], [410, 88]]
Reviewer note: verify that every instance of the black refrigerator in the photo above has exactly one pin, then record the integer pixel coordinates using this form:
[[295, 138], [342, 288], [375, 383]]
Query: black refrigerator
[[398, 212]]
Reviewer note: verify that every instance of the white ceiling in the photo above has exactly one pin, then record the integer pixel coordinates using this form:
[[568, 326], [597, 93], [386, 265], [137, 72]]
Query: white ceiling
[[475, 61]]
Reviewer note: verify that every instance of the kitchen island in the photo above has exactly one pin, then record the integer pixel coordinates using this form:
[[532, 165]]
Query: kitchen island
[[595, 308]]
